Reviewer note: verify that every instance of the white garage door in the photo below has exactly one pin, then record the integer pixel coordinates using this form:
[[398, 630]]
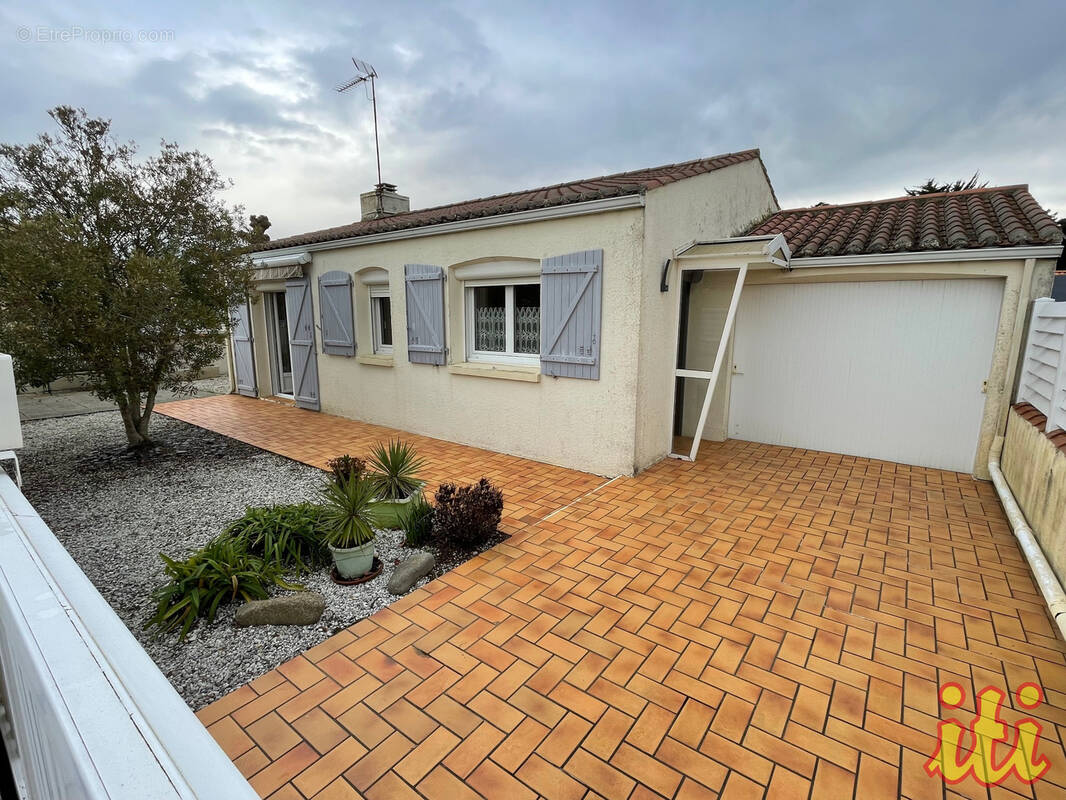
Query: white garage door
[[885, 369]]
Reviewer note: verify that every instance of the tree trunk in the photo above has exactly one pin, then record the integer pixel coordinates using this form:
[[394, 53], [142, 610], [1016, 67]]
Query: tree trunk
[[135, 422], [146, 415]]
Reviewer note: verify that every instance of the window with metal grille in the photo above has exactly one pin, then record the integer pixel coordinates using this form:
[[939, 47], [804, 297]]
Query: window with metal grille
[[503, 321]]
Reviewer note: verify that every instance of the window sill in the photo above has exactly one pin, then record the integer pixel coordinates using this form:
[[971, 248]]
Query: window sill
[[530, 374], [375, 361]]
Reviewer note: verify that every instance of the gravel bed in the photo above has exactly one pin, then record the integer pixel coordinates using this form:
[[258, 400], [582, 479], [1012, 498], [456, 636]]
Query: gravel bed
[[114, 513]]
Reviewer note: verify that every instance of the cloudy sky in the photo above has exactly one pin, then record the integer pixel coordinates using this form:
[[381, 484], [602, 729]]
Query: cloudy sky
[[847, 100]]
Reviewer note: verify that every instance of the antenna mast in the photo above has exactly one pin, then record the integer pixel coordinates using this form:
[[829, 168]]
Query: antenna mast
[[365, 73]]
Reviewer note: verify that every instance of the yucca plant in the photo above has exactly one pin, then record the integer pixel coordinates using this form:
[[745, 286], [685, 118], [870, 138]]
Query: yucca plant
[[348, 512], [289, 537], [349, 516], [221, 572], [395, 469]]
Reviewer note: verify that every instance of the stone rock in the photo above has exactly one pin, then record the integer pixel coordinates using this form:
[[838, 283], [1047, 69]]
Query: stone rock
[[408, 572], [304, 608]]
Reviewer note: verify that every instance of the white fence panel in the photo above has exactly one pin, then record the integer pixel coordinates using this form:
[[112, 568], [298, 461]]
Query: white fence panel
[[1043, 378], [85, 712]]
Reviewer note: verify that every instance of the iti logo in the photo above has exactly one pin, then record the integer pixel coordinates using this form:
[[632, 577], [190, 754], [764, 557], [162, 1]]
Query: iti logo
[[992, 751]]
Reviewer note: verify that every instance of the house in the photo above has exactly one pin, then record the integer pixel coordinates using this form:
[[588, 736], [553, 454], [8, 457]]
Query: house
[[584, 323]]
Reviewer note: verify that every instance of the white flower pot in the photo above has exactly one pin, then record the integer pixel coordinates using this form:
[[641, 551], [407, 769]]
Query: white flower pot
[[353, 562]]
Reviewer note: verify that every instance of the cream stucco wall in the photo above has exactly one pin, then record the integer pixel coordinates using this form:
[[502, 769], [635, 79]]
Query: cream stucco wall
[[582, 424], [712, 206], [1035, 469]]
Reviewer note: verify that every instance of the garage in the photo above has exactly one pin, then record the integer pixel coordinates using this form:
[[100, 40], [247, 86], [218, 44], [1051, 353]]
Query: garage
[[892, 370], [887, 329]]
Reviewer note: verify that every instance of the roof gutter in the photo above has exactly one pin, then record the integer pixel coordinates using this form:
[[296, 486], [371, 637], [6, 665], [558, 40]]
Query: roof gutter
[[1044, 576], [974, 254], [478, 223]]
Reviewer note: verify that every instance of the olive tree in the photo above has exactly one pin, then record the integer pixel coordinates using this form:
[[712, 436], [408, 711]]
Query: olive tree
[[118, 270]]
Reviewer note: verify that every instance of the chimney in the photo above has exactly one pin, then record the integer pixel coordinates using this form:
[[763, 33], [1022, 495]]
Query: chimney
[[383, 202]]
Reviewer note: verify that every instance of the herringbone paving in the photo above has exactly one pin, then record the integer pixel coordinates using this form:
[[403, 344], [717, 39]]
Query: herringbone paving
[[534, 490], [765, 622]]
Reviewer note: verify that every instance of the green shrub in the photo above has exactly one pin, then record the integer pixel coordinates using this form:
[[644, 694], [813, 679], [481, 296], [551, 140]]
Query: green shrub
[[290, 537], [416, 521], [221, 572], [348, 515], [395, 469], [467, 517]]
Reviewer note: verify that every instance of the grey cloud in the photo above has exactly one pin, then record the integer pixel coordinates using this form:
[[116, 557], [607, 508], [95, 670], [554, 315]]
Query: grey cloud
[[846, 101]]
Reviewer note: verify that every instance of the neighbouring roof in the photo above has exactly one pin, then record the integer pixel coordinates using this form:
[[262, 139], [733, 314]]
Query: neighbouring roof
[[617, 185], [1000, 216], [1036, 418]]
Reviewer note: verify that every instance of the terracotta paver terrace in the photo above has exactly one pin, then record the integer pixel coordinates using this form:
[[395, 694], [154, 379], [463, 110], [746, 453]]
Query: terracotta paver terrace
[[534, 490], [763, 623]]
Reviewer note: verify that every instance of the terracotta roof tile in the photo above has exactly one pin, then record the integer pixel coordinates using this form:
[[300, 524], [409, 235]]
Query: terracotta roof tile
[[1001, 216], [1034, 417], [617, 185]]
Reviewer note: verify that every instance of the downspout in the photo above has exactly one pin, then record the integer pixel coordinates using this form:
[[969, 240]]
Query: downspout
[[1045, 578]]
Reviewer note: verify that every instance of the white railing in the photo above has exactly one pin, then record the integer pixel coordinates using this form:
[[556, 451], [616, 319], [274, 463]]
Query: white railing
[[84, 712], [1043, 377]]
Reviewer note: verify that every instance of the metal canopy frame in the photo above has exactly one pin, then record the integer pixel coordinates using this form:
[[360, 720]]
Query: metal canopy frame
[[725, 255], [712, 376]]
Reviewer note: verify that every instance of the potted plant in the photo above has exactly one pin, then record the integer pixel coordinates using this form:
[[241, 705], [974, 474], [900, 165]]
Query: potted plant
[[349, 517], [395, 470]]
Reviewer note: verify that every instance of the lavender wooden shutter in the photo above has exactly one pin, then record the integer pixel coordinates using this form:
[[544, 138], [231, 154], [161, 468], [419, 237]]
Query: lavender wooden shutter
[[425, 313], [302, 343], [571, 287], [243, 350], [335, 313]]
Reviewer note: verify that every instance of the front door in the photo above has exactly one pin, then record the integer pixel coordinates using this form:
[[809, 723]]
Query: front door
[[243, 350], [302, 343], [281, 355]]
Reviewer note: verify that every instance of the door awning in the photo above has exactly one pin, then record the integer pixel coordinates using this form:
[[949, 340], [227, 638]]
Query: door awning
[[758, 252], [279, 268]]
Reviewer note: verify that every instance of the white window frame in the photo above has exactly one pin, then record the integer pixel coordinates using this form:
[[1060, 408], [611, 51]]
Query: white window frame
[[493, 356], [377, 292]]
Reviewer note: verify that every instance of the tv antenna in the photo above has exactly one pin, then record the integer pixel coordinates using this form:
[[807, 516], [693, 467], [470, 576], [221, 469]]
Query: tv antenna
[[365, 73]]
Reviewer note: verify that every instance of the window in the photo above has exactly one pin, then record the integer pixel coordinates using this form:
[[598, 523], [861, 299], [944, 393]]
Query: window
[[381, 319], [503, 320]]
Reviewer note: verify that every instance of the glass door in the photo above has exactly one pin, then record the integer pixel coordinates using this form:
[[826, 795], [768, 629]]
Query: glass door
[[277, 319]]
